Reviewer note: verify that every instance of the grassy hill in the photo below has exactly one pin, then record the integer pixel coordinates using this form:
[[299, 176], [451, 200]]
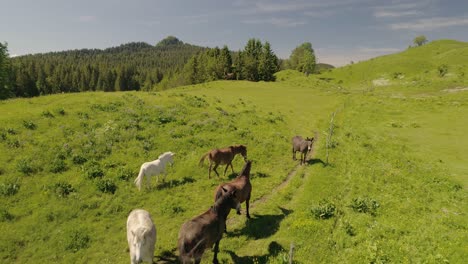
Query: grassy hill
[[416, 67], [394, 190]]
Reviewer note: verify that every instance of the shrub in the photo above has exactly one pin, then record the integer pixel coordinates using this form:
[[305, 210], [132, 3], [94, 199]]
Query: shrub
[[11, 131], [77, 240], [365, 205], [124, 174], [5, 215], [93, 171], [443, 70], [78, 159], [9, 189], [63, 189], [47, 114], [29, 125], [24, 166], [324, 210], [106, 186], [60, 111], [58, 165]]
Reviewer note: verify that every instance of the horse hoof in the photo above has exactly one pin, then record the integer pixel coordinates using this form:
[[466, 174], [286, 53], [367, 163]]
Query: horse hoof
[[248, 216]]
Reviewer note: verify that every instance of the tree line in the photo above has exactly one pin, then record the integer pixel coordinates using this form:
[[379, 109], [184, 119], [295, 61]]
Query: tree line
[[141, 66]]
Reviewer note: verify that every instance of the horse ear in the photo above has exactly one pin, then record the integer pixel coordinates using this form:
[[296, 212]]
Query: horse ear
[[224, 189]]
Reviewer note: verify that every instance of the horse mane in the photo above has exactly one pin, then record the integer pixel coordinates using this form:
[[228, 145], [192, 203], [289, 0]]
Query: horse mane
[[168, 153], [246, 169], [221, 200]]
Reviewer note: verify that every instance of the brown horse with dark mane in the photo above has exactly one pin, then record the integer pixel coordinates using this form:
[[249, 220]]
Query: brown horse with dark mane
[[203, 231], [223, 156], [303, 146], [241, 185]]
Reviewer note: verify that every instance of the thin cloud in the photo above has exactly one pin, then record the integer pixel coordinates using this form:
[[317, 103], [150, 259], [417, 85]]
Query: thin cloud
[[265, 7], [430, 23], [380, 14], [87, 19], [279, 22], [377, 50]]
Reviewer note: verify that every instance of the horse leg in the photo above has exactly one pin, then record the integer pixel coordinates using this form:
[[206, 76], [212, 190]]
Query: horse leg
[[209, 169], [247, 202], [216, 250], [214, 168], [227, 166], [294, 154]]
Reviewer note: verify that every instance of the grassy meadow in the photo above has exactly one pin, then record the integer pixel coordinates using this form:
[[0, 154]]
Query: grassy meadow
[[394, 190]]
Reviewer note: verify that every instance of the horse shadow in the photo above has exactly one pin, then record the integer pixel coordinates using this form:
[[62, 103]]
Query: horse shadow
[[273, 250], [166, 257], [174, 183], [314, 161], [262, 226]]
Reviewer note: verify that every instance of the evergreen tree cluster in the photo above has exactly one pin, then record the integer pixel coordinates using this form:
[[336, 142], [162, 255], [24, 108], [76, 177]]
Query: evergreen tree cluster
[[5, 70], [256, 62], [132, 66]]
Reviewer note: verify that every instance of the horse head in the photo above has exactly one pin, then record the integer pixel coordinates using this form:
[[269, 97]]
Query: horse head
[[228, 196], [309, 141], [138, 243]]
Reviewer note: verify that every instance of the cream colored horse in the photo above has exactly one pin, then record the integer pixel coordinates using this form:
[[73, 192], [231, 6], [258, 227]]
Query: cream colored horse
[[154, 167], [141, 236]]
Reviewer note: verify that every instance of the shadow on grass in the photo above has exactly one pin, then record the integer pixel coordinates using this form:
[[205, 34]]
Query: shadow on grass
[[314, 161], [262, 226], [273, 250], [174, 183], [166, 257]]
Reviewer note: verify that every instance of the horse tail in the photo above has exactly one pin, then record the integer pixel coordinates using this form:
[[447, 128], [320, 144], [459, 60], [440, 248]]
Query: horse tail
[[139, 179], [185, 255], [203, 158]]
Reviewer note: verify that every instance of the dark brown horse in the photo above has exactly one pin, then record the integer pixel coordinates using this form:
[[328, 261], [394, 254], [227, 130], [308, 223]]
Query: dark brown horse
[[223, 156], [241, 185], [303, 146], [203, 231]]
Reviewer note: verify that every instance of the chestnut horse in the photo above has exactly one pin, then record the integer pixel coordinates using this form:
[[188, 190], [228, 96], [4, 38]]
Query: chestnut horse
[[303, 146], [203, 231], [223, 156], [241, 185]]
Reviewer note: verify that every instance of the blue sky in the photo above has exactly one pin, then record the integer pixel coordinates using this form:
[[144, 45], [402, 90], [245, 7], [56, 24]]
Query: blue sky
[[340, 30]]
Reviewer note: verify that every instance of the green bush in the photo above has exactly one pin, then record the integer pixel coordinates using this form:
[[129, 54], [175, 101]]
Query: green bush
[[124, 174], [5, 215], [106, 186], [63, 189], [29, 125], [93, 170], [365, 205], [9, 189], [443, 70], [77, 240], [47, 114], [58, 165], [24, 166], [79, 160], [324, 210]]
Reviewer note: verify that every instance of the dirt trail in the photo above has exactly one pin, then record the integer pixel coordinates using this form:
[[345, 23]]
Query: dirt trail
[[279, 187]]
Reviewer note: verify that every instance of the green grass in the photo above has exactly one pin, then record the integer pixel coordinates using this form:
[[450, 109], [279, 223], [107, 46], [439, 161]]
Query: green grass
[[394, 191]]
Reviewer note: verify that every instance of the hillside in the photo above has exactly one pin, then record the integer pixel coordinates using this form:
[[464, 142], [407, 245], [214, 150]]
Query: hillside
[[386, 181], [414, 67]]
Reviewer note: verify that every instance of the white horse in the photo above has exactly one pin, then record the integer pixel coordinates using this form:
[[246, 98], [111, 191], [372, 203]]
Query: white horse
[[141, 236], [154, 167]]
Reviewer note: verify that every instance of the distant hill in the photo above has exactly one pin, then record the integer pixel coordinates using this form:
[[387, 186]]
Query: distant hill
[[131, 66], [321, 67], [415, 66]]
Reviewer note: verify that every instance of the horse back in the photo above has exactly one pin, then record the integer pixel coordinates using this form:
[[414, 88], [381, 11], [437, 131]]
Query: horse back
[[242, 186], [200, 232]]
